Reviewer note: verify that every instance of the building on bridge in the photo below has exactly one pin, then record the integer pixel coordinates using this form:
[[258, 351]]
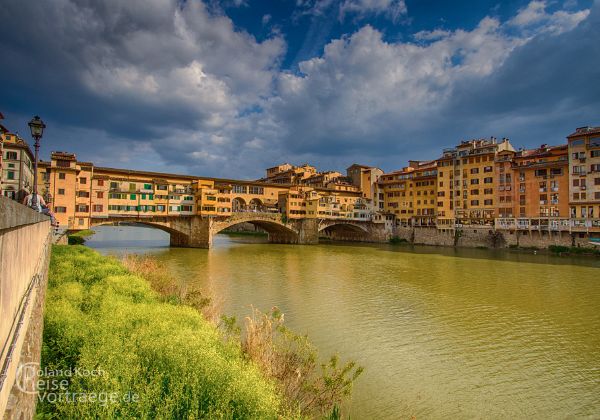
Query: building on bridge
[[82, 195]]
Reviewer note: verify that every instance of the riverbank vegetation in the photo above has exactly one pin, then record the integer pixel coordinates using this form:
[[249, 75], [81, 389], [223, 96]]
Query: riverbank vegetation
[[151, 341], [78, 238], [573, 250]]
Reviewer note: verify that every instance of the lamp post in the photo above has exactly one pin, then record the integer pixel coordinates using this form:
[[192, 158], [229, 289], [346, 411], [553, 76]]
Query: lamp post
[[36, 125]]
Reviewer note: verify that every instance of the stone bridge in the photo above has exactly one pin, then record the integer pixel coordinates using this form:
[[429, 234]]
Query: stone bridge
[[198, 232]]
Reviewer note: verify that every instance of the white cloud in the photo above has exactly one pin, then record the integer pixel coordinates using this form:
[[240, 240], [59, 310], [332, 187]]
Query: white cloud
[[535, 18]]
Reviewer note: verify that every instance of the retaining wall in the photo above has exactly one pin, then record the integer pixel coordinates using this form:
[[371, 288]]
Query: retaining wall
[[25, 238]]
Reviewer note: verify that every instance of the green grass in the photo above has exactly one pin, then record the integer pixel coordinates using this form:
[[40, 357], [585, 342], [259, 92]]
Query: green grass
[[100, 316]]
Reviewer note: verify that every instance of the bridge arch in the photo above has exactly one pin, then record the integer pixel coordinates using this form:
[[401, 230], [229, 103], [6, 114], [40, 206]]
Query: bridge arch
[[176, 237], [278, 231], [238, 204], [342, 225]]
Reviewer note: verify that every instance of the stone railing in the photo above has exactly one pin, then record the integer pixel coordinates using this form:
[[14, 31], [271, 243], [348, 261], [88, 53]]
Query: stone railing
[[548, 224], [25, 238]]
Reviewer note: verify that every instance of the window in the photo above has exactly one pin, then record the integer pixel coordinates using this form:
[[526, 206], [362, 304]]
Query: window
[[100, 183], [488, 202], [100, 194], [10, 175], [83, 180], [556, 171], [62, 175], [474, 202], [11, 155], [59, 209], [97, 208], [82, 208], [80, 221], [256, 190], [541, 172], [240, 189], [84, 194], [595, 153], [131, 196], [594, 142], [147, 186], [488, 180], [114, 185]]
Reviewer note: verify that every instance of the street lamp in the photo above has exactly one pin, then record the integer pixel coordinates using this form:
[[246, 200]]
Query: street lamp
[[36, 125]]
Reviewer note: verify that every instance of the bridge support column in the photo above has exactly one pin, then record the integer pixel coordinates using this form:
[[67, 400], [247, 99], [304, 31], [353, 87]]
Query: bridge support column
[[308, 231], [192, 232]]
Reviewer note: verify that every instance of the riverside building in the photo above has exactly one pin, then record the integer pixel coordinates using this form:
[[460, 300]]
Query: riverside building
[[481, 184]]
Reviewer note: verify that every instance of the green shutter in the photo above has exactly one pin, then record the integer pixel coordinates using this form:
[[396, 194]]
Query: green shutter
[[132, 196]]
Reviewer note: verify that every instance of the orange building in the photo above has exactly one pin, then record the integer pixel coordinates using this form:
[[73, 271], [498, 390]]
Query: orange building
[[541, 182], [584, 173]]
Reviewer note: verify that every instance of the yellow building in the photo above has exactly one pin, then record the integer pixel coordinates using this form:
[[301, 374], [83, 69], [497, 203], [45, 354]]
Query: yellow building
[[466, 183], [411, 194], [289, 174], [299, 202], [424, 183], [397, 189]]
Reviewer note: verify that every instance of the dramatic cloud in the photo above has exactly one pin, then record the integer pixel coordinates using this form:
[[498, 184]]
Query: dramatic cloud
[[170, 85], [369, 97]]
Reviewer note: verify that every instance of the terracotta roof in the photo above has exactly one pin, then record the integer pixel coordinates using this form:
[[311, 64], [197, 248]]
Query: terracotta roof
[[583, 131]]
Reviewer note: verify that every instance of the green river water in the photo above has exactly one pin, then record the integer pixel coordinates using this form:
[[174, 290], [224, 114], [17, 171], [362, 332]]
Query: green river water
[[441, 333]]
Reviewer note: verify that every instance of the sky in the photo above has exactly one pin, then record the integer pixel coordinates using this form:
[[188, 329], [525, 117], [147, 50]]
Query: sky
[[228, 88]]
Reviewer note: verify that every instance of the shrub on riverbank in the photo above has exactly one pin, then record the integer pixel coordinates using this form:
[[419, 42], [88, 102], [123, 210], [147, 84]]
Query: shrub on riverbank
[[101, 317], [169, 288], [559, 249], [78, 238]]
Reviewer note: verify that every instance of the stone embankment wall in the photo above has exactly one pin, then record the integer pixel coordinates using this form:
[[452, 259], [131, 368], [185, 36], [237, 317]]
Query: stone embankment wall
[[489, 237], [25, 238]]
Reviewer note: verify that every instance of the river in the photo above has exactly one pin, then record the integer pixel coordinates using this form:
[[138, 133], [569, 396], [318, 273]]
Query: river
[[441, 333]]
